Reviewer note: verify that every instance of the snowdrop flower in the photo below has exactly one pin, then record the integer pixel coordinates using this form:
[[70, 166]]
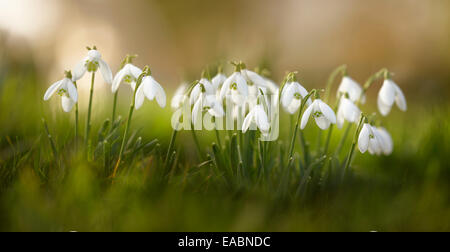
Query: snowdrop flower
[[66, 89], [321, 112], [151, 89], [390, 93], [129, 74], [178, 97], [370, 139], [209, 104], [258, 116], [204, 85], [353, 89], [218, 80], [347, 111], [254, 82], [388, 143], [236, 87], [292, 95], [92, 63]]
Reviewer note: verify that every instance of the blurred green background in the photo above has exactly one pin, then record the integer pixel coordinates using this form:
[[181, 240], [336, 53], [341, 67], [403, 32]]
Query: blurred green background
[[39, 39]]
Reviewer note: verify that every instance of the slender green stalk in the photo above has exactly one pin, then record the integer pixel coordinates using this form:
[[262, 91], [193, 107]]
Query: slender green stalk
[[339, 70], [113, 117], [352, 149], [330, 131], [76, 119], [297, 124], [171, 144], [50, 139], [197, 143], [130, 115], [88, 120], [218, 138], [343, 139]]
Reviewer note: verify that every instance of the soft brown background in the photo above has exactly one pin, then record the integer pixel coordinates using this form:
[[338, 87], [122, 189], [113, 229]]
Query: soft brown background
[[178, 38]]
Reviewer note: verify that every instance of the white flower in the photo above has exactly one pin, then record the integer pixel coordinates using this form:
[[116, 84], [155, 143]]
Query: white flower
[[198, 90], [254, 82], [370, 139], [388, 143], [236, 87], [353, 89], [272, 86], [151, 89], [92, 63], [218, 81], [258, 116], [178, 97], [321, 112], [68, 92], [292, 96], [129, 73], [347, 111], [207, 103], [390, 93]]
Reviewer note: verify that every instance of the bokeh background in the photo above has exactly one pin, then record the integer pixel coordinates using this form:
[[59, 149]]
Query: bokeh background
[[178, 38]]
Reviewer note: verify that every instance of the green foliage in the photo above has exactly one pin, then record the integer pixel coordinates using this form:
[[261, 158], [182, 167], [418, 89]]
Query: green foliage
[[47, 183]]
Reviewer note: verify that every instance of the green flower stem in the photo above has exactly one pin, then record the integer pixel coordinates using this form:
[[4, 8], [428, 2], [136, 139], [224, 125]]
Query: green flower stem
[[76, 119], [171, 144], [352, 149], [88, 121], [197, 143], [343, 139], [330, 131], [297, 124], [339, 70], [113, 117]]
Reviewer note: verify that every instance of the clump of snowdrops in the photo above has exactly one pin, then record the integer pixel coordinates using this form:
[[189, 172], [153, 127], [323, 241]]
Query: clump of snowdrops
[[243, 110]]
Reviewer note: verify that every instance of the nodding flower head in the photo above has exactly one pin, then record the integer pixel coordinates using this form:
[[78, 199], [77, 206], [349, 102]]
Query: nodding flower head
[[351, 88], [92, 63], [259, 117], [179, 96], [236, 88], [209, 104], [389, 94], [129, 74], [347, 111], [66, 89], [373, 140], [203, 86], [292, 96], [322, 113], [149, 88]]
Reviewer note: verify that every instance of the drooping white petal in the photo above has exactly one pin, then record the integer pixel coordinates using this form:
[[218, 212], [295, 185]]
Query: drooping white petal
[[118, 79], [226, 86], [287, 95], [307, 115], [79, 70], [218, 80], [400, 98], [52, 90], [387, 93], [105, 71], [67, 103], [248, 121], [340, 117], [150, 89], [195, 94], [322, 122], [216, 108], [178, 97], [327, 112], [134, 71], [364, 137], [261, 119], [197, 110], [382, 107], [72, 90], [294, 106], [140, 97], [388, 146], [254, 78], [160, 94], [352, 88], [303, 92], [241, 84]]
